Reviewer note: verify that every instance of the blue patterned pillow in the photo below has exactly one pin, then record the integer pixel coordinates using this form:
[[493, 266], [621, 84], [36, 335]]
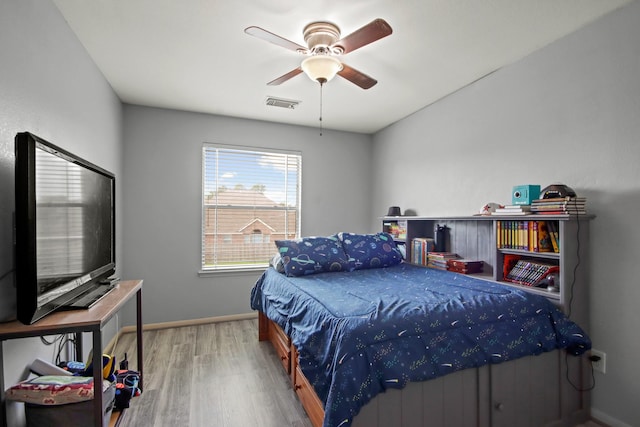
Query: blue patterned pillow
[[370, 250], [311, 255]]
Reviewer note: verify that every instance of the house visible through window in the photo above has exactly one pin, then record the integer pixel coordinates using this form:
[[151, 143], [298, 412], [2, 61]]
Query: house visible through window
[[250, 198]]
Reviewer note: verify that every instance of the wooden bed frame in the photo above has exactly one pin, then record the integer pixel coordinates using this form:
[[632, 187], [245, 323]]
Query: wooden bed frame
[[532, 391]]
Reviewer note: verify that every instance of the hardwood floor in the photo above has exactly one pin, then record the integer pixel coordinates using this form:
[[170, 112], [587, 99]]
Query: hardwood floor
[[210, 375]]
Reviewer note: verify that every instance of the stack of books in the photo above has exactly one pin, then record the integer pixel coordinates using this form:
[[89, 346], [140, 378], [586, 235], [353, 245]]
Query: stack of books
[[464, 266], [560, 206], [439, 259], [513, 210]]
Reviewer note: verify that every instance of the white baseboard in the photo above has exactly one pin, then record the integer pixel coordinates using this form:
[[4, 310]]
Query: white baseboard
[[606, 419], [191, 322]]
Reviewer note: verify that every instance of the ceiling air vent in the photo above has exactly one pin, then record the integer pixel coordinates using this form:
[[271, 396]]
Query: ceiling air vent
[[284, 103]]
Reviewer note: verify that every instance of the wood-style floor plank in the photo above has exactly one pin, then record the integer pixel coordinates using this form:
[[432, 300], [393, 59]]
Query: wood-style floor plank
[[213, 375]]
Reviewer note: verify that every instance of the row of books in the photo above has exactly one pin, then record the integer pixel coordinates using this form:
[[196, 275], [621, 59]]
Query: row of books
[[560, 205], [532, 235], [420, 248], [530, 273], [397, 229]]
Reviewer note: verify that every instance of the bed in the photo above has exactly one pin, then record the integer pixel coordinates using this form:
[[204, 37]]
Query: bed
[[351, 329]]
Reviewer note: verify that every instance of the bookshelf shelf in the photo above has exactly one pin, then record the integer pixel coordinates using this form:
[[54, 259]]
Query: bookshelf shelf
[[547, 255], [476, 237], [553, 296]]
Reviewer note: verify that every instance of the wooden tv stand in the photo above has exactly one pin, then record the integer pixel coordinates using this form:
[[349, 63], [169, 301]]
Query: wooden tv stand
[[77, 322]]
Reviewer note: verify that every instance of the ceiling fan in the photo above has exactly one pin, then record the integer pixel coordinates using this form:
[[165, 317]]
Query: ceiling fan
[[323, 45]]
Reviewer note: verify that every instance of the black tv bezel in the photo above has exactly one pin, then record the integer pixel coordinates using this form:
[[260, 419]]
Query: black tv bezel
[[27, 310]]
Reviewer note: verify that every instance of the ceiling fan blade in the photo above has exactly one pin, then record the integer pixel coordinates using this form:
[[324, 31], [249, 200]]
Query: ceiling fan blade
[[285, 77], [375, 30], [356, 77], [275, 39]]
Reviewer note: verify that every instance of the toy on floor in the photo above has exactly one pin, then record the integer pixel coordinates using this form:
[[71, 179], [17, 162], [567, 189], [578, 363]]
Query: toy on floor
[[126, 388]]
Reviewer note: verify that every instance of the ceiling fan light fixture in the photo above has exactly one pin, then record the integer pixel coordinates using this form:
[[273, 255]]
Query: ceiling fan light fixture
[[321, 68], [321, 34]]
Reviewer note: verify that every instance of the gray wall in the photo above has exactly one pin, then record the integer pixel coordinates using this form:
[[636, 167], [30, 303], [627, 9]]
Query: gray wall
[[48, 86], [162, 202], [568, 113]]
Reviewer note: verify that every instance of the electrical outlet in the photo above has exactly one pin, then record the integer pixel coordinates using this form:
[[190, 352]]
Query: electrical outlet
[[600, 365]]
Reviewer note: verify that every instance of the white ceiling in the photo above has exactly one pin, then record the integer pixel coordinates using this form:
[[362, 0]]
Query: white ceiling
[[193, 55]]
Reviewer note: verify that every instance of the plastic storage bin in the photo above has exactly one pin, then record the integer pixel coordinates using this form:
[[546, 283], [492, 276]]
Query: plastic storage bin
[[71, 414]]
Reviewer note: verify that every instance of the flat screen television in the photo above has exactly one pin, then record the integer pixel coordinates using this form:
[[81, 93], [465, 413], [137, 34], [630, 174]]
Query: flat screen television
[[65, 226]]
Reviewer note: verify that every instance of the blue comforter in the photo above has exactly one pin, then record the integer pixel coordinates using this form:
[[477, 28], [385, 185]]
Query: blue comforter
[[359, 333]]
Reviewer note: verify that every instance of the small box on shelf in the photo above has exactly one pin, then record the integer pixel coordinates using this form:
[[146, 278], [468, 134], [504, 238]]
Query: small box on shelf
[[465, 266]]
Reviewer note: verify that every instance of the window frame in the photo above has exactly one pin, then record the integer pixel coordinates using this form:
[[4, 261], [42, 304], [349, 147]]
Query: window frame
[[217, 269]]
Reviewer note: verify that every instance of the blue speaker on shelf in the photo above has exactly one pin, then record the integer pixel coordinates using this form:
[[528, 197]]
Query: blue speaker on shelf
[[525, 194]]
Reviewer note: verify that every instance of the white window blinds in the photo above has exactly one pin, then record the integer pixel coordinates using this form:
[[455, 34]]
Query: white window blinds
[[250, 198]]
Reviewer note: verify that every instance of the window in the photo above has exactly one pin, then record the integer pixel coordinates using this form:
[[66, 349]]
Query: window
[[250, 198]]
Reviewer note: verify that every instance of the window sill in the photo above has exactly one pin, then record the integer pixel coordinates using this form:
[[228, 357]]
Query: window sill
[[232, 270]]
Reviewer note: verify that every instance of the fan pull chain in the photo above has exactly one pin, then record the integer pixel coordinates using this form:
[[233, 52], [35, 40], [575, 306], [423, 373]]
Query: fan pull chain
[[321, 84]]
